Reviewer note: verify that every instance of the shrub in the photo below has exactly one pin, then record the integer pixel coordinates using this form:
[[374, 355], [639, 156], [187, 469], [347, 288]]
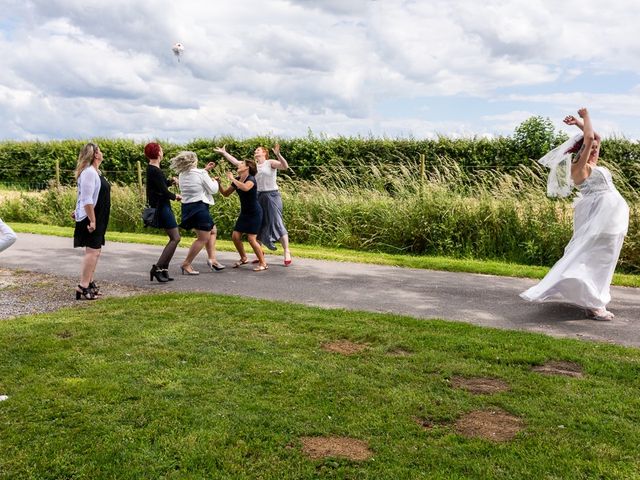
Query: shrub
[[33, 163]]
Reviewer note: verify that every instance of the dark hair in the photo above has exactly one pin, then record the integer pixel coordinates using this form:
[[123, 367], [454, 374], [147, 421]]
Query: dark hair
[[253, 169], [152, 150], [575, 148]]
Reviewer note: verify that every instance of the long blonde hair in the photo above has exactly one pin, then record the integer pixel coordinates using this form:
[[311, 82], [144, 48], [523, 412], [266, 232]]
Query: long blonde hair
[[184, 161], [86, 157]]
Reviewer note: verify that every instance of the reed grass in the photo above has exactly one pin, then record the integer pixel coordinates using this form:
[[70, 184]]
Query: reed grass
[[436, 209]]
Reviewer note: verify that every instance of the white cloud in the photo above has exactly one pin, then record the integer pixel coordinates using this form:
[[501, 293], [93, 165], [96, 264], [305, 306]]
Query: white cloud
[[95, 68]]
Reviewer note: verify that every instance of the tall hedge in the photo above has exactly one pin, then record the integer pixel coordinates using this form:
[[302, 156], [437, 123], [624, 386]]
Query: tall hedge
[[34, 162]]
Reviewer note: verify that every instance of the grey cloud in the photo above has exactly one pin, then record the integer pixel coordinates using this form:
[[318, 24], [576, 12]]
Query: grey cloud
[[337, 7], [128, 26]]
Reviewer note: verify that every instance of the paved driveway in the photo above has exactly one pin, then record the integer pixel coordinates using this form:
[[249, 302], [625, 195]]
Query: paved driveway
[[479, 299]]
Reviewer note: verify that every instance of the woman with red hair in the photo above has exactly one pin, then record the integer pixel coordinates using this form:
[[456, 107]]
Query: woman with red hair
[[159, 197], [583, 275]]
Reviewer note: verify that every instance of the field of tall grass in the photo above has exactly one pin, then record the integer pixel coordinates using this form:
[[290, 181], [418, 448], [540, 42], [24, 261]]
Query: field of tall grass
[[445, 210]]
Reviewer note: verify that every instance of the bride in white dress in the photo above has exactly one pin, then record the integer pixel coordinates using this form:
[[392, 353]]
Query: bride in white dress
[[600, 220]]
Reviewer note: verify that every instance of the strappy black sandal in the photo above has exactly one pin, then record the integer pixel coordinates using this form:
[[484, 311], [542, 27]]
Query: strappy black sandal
[[95, 289], [84, 293]]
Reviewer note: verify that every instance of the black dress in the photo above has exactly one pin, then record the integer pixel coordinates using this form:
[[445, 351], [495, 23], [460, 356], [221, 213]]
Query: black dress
[[159, 197], [250, 217], [81, 236]]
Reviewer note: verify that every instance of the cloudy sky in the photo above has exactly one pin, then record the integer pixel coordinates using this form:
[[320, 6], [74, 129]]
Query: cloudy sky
[[87, 68]]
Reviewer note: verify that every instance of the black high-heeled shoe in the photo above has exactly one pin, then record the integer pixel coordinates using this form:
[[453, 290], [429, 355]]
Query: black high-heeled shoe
[[165, 274], [157, 274], [95, 289], [84, 293]]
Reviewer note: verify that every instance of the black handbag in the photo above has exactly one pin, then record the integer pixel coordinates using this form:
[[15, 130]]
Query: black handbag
[[149, 217]]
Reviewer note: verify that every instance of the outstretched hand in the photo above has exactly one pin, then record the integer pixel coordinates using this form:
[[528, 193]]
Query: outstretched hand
[[570, 120], [230, 175], [210, 166], [221, 149], [276, 149]]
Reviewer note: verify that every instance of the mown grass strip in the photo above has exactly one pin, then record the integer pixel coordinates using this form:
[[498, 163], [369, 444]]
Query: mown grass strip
[[488, 267], [210, 386]]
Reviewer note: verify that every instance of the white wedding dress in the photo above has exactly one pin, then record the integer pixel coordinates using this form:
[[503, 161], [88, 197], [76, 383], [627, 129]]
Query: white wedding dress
[[583, 275]]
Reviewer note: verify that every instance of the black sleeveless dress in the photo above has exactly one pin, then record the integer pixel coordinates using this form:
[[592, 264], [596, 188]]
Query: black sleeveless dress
[[95, 239], [250, 217]]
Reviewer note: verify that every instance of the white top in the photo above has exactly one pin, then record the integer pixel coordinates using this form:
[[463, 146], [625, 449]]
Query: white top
[[196, 186], [266, 177], [7, 236], [88, 190]]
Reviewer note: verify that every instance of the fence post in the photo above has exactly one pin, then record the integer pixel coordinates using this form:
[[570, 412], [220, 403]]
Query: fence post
[[57, 173], [139, 167]]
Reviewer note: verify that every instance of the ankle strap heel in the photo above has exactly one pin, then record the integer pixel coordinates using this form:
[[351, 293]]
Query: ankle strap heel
[[84, 293]]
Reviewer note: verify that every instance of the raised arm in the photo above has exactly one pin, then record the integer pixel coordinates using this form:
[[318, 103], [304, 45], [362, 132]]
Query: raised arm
[[571, 120], [244, 186], [281, 163], [222, 151], [589, 137]]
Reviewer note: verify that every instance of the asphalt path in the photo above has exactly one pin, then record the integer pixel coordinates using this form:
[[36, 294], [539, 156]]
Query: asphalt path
[[478, 299]]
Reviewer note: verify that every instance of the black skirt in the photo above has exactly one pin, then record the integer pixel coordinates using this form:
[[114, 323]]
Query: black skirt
[[249, 222], [196, 216], [165, 217]]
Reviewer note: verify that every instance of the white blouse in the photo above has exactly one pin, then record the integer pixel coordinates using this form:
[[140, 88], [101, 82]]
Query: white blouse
[[266, 177], [88, 190], [197, 186]]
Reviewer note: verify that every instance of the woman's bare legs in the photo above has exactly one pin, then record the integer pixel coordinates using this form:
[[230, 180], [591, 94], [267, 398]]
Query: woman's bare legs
[[284, 241], [237, 241], [257, 249], [211, 247], [194, 250], [89, 263]]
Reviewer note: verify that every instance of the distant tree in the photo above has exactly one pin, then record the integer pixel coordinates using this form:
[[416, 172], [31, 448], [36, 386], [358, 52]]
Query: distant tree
[[536, 136]]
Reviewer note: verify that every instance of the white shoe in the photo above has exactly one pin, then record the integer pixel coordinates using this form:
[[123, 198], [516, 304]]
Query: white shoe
[[601, 314]]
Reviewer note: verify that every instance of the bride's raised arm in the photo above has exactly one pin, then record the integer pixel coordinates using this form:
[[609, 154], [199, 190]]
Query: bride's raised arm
[[588, 138]]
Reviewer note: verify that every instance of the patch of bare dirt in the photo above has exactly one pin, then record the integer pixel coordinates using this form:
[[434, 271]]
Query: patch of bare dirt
[[429, 424], [494, 425], [25, 293], [569, 369], [480, 385], [344, 347], [399, 352], [318, 448]]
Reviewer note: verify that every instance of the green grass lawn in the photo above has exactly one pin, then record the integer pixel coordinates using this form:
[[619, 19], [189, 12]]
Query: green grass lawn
[[208, 386], [489, 267]]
